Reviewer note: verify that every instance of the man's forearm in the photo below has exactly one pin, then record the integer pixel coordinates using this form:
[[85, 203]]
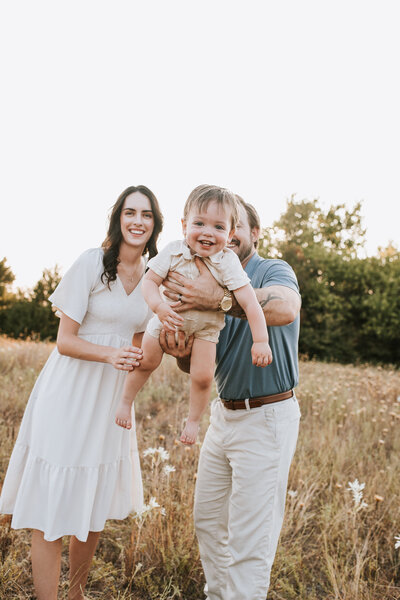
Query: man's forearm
[[280, 305]]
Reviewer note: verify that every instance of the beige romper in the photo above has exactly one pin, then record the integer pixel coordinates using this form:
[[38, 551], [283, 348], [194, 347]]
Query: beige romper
[[224, 266]]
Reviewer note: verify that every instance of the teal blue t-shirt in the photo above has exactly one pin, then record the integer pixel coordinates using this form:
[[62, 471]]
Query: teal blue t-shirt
[[235, 374]]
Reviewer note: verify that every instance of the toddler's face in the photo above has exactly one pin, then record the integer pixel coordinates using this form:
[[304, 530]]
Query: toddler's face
[[207, 232]]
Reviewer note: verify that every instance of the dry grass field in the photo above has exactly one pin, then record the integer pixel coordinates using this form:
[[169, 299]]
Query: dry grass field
[[337, 542]]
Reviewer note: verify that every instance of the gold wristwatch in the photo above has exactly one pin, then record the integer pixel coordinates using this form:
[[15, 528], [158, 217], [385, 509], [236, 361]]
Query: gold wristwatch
[[226, 302]]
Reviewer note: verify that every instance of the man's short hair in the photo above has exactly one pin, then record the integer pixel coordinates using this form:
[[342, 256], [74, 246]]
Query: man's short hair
[[252, 216]]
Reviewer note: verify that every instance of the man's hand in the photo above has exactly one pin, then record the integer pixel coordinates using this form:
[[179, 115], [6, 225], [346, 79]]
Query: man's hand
[[202, 293], [177, 346]]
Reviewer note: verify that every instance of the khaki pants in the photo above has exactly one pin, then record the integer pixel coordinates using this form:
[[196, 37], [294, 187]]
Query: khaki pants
[[240, 496]]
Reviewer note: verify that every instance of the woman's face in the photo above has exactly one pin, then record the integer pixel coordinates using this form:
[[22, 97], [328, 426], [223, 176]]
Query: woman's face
[[137, 220]]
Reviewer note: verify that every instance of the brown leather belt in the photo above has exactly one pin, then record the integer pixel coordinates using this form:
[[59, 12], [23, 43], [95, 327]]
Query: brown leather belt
[[256, 402]]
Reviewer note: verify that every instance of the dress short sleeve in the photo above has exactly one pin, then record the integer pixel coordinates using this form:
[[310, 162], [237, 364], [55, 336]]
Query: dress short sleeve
[[233, 274], [71, 296]]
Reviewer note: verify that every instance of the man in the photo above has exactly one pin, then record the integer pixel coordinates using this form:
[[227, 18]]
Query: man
[[246, 454]]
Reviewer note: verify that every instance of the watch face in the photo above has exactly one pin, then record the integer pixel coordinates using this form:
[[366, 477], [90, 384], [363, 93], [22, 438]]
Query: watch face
[[226, 303]]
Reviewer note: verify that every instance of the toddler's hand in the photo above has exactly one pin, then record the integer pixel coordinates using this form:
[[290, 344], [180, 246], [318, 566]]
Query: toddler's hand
[[189, 434], [261, 354], [168, 317]]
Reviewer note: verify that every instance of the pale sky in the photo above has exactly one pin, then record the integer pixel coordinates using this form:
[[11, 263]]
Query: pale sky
[[268, 98]]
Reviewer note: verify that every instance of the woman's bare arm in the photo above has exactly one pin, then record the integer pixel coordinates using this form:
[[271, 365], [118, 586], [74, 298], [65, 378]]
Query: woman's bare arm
[[69, 344]]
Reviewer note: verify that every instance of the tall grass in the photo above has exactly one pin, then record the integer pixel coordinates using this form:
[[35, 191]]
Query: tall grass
[[332, 545]]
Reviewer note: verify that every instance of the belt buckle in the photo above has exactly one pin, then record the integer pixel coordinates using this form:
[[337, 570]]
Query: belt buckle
[[230, 404]]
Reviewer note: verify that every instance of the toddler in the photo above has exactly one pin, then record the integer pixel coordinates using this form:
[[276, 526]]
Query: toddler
[[209, 220]]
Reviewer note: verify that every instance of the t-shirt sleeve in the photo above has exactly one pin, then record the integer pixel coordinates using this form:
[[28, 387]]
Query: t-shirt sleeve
[[279, 272], [233, 274], [161, 263], [71, 296]]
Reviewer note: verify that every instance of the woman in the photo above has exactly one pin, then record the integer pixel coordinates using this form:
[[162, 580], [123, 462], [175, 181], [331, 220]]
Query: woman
[[72, 467]]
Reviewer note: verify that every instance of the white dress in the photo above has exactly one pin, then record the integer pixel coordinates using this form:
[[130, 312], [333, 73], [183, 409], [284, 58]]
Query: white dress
[[72, 467]]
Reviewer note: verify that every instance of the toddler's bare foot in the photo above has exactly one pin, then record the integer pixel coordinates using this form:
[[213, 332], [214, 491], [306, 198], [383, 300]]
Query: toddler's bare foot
[[189, 434], [123, 415]]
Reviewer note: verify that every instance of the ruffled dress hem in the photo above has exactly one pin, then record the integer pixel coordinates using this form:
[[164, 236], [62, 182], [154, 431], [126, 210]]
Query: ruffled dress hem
[[43, 496]]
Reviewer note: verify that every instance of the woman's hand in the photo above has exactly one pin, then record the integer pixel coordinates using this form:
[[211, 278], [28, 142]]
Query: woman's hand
[[168, 317], [202, 293], [70, 344], [125, 359]]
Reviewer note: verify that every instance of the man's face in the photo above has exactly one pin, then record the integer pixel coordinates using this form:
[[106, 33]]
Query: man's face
[[242, 242]]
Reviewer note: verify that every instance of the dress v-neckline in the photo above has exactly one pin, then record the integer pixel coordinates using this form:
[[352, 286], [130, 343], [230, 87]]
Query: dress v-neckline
[[138, 281], [123, 287]]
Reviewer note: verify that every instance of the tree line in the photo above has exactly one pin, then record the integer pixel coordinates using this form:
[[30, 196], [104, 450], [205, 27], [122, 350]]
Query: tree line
[[350, 304], [28, 314]]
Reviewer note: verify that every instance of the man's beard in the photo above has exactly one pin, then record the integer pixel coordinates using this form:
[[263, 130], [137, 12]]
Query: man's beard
[[243, 250]]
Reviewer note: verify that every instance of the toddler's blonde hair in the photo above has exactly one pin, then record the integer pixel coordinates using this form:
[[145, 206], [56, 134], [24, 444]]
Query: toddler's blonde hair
[[202, 195]]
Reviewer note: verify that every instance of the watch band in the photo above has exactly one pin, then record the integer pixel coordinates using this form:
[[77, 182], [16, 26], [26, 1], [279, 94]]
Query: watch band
[[226, 301]]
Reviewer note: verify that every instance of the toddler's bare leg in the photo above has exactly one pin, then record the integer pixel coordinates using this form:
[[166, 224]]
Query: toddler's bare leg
[[202, 365], [135, 380]]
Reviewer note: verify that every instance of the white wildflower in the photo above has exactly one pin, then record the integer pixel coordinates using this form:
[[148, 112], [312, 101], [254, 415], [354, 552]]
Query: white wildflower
[[150, 452], [292, 493], [153, 503], [162, 453], [158, 455], [169, 469], [163, 511], [397, 544], [147, 508], [356, 488]]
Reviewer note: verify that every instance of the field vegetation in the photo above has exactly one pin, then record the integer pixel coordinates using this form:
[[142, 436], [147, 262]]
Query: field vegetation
[[338, 541]]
